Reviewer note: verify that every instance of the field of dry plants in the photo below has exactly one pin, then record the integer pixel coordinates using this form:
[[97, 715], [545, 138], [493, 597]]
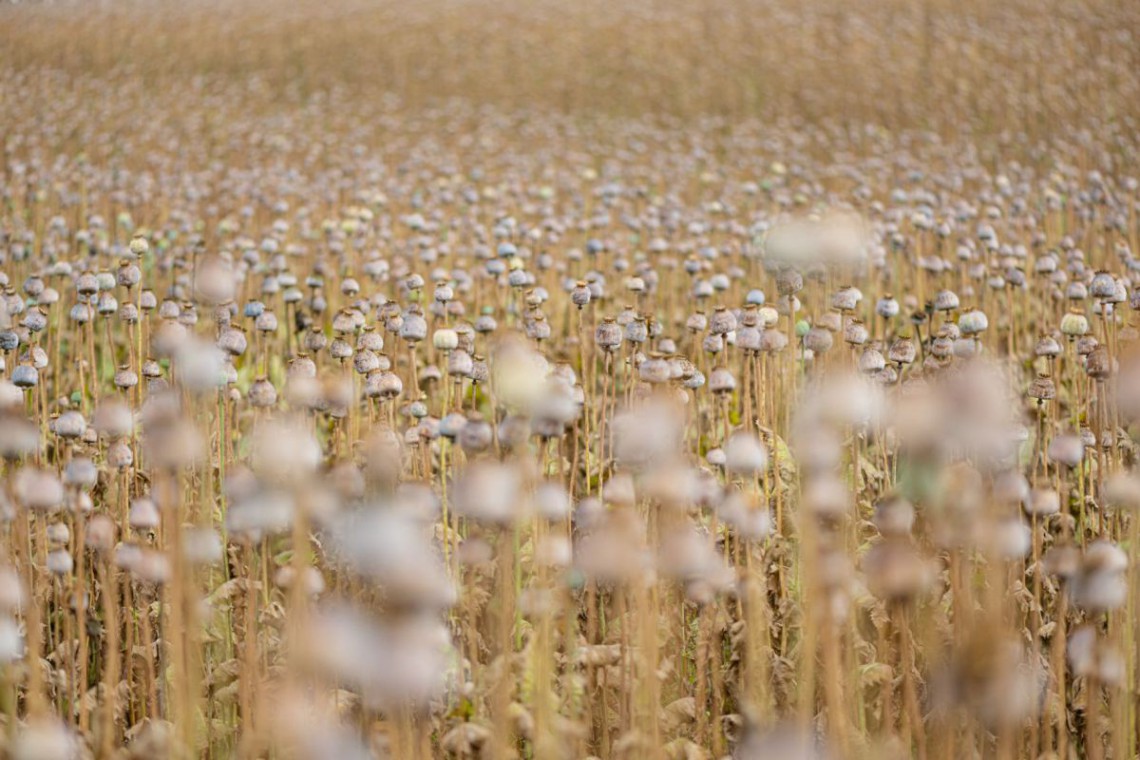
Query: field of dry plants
[[637, 379]]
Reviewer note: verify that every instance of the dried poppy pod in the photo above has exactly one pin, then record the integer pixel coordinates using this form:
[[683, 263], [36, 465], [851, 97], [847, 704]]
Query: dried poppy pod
[[38, 490], [232, 340], [35, 320], [1103, 286], [1122, 491], [125, 377], [1100, 583], [266, 322], [896, 571], [261, 393], [1086, 344], [712, 344], [887, 307], [143, 516], [1067, 449], [365, 361], [70, 425], [1099, 363], [697, 322], [722, 381], [129, 313], [1074, 325], [942, 347], [445, 339], [80, 473], [789, 281], [340, 349], [1042, 388], [314, 339], [106, 304], [846, 298], [973, 322], [608, 335], [370, 339], [1092, 656], [87, 284], [151, 369], [818, 340], [945, 300], [1042, 502], [1008, 538], [893, 516], [25, 376], [902, 351], [826, 498], [745, 455], [855, 333], [722, 321], [1047, 347], [748, 338]]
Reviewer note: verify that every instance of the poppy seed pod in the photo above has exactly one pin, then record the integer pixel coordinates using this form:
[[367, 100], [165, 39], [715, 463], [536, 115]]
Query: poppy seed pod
[[1103, 286], [143, 515], [608, 335], [69, 425], [25, 376], [745, 454], [414, 327], [887, 307], [38, 490], [1042, 388], [902, 351], [1042, 502], [261, 393], [789, 282], [713, 344], [266, 322], [1074, 324], [100, 534], [1101, 584], [1098, 363], [722, 321], [818, 340], [773, 341], [945, 300], [1067, 449], [138, 246], [489, 493], [855, 333], [896, 570], [128, 274], [445, 340], [580, 294], [1047, 347], [119, 455], [893, 517], [722, 381], [846, 298], [113, 419], [749, 339], [80, 473], [476, 436], [232, 340], [973, 322], [214, 281]]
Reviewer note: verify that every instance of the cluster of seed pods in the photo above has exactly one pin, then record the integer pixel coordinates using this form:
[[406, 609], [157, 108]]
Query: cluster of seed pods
[[352, 429]]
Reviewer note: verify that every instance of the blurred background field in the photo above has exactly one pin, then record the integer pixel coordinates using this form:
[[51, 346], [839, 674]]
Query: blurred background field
[[1019, 67]]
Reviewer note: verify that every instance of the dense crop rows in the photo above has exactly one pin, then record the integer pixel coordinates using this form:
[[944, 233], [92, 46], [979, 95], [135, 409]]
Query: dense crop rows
[[699, 414]]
